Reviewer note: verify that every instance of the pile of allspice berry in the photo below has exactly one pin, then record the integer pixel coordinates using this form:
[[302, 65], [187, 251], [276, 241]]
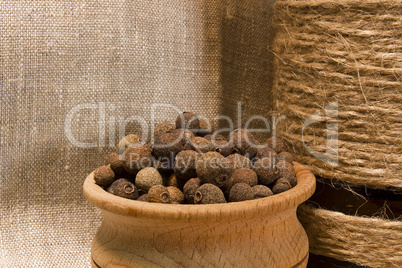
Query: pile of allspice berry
[[186, 163]]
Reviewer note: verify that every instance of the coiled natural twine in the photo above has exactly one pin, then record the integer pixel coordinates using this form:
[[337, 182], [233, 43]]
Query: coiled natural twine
[[371, 242], [346, 54]]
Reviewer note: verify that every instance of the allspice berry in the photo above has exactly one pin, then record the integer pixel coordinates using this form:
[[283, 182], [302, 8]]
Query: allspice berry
[[205, 127], [239, 161], [163, 128], [244, 142], [175, 194], [188, 121], [201, 144], [245, 175], [158, 194], [127, 141], [183, 133], [288, 157], [267, 171], [215, 137], [185, 165], [266, 152], [225, 148], [168, 145], [116, 163], [241, 192], [209, 194], [281, 185], [123, 188], [137, 158], [104, 176], [147, 178], [190, 188], [261, 191], [143, 198], [287, 171], [213, 168], [277, 144]]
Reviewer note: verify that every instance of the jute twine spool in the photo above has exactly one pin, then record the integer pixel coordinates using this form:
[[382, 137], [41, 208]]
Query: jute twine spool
[[366, 241], [345, 56], [338, 79]]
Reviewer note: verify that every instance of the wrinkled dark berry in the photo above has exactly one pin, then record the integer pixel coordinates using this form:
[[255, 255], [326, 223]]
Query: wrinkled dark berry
[[209, 194], [267, 171], [281, 185], [147, 178], [190, 188], [213, 168], [261, 191], [158, 194], [104, 176], [245, 175], [137, 158], [163, 128], [244, 142], [189, 121], [123, 188], [241, 192]]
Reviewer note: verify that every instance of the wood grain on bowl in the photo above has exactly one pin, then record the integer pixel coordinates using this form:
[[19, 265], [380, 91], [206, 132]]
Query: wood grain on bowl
[[256, 233]]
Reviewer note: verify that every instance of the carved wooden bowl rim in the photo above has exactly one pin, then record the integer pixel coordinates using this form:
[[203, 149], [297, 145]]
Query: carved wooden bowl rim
[[292, 198]]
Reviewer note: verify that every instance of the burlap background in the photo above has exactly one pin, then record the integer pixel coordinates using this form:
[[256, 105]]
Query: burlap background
[[203, 56]]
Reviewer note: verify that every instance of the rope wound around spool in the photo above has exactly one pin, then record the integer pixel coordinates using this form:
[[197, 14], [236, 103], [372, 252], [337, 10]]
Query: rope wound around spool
[[338, 83]]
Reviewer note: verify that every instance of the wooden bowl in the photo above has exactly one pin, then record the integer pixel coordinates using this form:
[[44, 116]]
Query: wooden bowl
[[257, 233]]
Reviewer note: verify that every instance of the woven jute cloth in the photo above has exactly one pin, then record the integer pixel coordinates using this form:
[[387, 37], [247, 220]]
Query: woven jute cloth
[[70, 70], [338, 83]]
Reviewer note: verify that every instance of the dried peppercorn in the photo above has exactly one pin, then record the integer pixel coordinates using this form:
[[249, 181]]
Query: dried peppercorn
[[261, 191], [123, 188], [137, 158], [215, 137], [190, 188], [241, 192], [225, 148], [188, 121], [245, 175], [267, 172], [287, 171], [244, 142], [281, 185], [213, 168], [209, 194], [205, 127], [158, 194], [147, 178], [129, 141], [239, 161], [201, 144], [175, 194], [116, 163], [104, 176], [185, 165], [163, 128], [168, 145]]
